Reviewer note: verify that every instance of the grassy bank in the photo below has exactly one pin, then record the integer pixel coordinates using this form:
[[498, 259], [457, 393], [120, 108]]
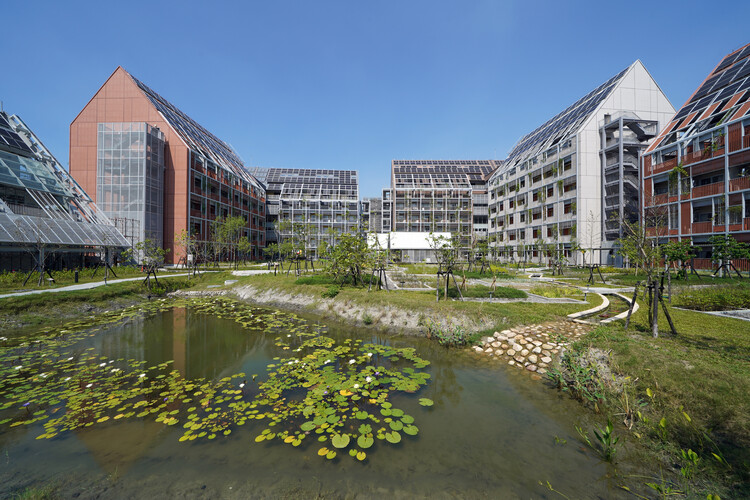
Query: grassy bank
[[684, 392], [492, 314], [53, 308]]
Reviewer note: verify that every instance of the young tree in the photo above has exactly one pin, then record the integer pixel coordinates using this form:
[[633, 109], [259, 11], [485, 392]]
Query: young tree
[[725, 250], [640, 246], [152, 258], [447, 253], [677, 253], [188, 243], [348, 258]]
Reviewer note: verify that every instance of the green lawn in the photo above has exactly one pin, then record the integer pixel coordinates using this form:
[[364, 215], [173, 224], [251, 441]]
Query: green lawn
[[702, 373]]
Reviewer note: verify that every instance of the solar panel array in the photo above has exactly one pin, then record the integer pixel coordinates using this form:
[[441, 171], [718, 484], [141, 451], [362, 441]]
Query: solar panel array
[[731, 77], [10, 140], [565, 123], [441, 173], [197, 137], [310, 176]]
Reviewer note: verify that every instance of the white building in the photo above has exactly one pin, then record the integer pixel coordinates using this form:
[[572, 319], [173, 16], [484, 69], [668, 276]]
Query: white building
[[410, 246], [550, 188]]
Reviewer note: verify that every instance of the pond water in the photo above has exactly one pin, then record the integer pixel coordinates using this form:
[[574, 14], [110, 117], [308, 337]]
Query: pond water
[[491, 433]]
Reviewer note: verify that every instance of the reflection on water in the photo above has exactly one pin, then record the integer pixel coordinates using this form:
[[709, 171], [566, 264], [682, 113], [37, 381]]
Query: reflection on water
[[489, 434]]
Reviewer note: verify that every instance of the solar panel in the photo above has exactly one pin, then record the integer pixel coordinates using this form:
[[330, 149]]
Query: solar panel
[[730, 78], [195, 135], [10, 140]]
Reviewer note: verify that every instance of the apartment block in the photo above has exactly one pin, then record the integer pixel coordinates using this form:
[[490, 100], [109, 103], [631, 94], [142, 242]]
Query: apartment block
[[566, 182], [322, 202], [438, 196], [696, 174], [156, 171], [45, 216]]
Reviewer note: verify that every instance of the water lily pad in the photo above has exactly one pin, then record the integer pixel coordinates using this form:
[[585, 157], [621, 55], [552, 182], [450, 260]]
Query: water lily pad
[[361, 455], [308, 426], [365, 429], [365, 441], [340, 440], [426, 402], [396, 425], [393, 437], [411, 430]]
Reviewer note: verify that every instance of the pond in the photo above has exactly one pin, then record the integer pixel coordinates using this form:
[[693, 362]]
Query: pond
[[439, 423]]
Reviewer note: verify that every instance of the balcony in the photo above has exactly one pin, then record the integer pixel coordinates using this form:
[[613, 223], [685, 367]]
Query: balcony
[[662, 167], [702, 227], [739, 184], [708, 189]]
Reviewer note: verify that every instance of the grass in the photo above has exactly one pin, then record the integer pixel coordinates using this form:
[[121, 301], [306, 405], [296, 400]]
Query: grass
[[700, 383], [499, 315], [13, 281], [47, 492]]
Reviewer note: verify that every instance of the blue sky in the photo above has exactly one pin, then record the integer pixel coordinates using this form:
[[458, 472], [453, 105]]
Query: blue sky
[[349, 84]]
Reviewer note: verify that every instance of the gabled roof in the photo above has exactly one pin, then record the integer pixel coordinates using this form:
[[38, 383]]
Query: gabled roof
[[720, 98], [196, 136], [563, 125]]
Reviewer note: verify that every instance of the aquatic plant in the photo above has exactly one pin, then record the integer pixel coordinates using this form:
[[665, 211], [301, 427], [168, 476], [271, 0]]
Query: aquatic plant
[[337, 392], [607, 442]]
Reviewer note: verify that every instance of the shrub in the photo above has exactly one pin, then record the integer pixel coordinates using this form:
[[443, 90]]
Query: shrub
[[715, 298], [331, 292], [483, 292], [328, 279], [367, 319], [555, 292]]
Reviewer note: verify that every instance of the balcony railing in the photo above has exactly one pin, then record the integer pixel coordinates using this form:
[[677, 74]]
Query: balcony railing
[[739, 184], [708, 189], [702, 227], [662, 167]]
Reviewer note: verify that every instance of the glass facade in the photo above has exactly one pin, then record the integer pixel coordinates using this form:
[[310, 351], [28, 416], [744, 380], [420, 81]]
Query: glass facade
[[130, 178]]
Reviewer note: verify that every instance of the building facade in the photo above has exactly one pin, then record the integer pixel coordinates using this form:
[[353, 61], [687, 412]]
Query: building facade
[[696, 174], [45, 216], [439, 196], [157, 171], [315, 204], [551, 189], [371, 213]]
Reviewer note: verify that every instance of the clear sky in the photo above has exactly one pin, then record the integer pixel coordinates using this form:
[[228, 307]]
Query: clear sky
[[352, 84]]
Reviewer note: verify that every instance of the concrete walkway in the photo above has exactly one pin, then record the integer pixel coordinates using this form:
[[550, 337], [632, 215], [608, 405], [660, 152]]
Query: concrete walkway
[[87, 286]]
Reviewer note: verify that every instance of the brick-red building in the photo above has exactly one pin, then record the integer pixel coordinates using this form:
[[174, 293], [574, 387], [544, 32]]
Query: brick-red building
[[697, 171], [156, 171]]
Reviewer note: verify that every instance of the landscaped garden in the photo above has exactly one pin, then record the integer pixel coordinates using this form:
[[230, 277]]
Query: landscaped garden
[[328, 384]]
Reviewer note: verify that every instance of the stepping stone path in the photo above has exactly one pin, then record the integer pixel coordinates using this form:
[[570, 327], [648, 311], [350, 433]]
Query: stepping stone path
[[532, 347]]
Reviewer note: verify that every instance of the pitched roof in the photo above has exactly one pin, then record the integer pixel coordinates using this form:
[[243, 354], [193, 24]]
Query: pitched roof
[[719, 99], [564, 124], [196, 136]]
